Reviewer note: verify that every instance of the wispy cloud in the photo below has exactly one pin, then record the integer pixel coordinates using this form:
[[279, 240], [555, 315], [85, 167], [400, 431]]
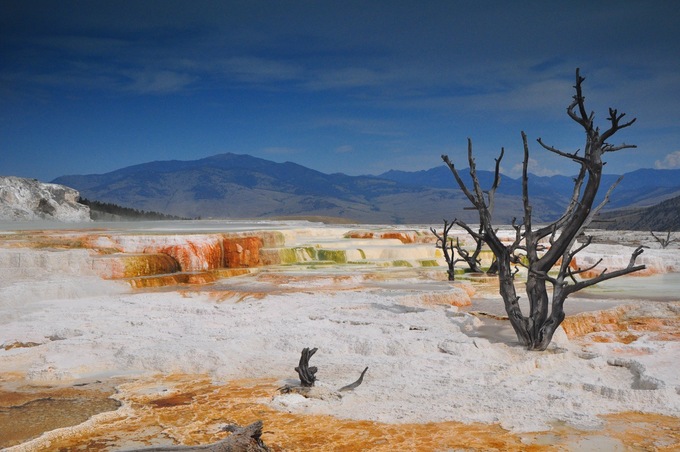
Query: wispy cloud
[[344, 149], [158, 81]]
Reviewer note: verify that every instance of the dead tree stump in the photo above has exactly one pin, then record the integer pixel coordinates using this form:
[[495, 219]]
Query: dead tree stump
[[307, 374], [308, 377]]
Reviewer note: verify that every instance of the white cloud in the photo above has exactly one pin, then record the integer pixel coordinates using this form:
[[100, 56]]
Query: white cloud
[[670, 161], [534, 168], [344, 149]]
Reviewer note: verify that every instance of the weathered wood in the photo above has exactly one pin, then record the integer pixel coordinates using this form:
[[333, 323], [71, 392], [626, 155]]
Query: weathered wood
[[307, 374], [307, 379], [354, 385], [242, 439]]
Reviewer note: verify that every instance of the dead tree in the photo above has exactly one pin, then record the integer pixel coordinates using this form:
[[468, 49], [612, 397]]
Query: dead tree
[[472, 260], [307, 374], [528, 249], [446, 246], [450, 249], [664, 242]]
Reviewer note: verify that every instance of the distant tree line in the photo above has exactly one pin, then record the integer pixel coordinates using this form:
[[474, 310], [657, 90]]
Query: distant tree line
[[107, 211]]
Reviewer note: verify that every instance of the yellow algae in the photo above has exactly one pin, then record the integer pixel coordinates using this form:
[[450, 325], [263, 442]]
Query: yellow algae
[[149, 264], [337, 256], [287, 256], [17, 344], [174, 279]]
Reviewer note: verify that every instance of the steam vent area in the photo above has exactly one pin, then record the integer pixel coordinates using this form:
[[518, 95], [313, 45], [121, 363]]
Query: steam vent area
[[125, 336]]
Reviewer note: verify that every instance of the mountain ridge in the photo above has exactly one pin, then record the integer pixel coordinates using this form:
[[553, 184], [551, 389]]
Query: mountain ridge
[[242, 186]]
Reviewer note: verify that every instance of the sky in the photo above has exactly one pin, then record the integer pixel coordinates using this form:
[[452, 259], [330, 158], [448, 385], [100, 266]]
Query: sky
[[358, 87]]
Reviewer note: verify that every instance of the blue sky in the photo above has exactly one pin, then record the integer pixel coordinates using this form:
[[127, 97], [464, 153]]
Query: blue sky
[[358, 87]]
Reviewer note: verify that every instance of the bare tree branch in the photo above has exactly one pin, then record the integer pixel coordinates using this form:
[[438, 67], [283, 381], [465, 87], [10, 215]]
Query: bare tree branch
[[573, 156], [460, 182], [664, 242], [606, 276], [496, 180], [615, 118]]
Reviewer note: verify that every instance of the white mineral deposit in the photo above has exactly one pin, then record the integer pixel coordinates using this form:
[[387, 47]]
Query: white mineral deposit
[[436, 351]]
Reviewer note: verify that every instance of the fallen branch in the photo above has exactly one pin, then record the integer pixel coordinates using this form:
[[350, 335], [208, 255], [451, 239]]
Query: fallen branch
[[355, 384], [242, 439]]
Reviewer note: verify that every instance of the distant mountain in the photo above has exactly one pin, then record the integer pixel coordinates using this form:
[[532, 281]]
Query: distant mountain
[[242, 186], [664, 216], [642, 187]]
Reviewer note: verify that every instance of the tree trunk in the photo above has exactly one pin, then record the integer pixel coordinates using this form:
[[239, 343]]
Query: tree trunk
[[535, 331]]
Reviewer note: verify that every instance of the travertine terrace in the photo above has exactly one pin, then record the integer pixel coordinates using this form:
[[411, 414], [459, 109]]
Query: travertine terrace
[[163, 332]]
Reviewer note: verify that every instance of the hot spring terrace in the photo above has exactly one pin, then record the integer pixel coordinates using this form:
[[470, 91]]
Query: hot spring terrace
[[157, 254], [182, 311], [150, 257]]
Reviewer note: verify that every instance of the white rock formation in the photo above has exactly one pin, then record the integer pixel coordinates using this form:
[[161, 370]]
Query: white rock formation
[[29, 199]]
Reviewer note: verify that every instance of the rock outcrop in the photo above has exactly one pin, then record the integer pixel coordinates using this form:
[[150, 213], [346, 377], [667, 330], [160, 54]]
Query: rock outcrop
[[29, 199]]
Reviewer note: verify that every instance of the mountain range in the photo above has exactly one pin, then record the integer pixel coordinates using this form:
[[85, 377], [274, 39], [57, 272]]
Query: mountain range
[[242, 186]]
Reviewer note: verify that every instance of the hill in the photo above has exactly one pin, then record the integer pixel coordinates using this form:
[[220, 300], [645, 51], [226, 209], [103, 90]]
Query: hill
[[242, 186], [664, 216], [643, 187]]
